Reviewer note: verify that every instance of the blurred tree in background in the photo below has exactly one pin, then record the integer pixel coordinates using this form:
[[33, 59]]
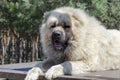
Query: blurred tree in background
[[20, 20]]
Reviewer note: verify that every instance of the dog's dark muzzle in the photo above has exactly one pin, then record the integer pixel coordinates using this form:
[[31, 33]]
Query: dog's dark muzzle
[[57, 35], [57, 40]]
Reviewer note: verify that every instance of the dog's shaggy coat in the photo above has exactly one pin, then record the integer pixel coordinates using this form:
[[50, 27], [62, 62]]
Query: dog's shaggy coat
[[91, 47]]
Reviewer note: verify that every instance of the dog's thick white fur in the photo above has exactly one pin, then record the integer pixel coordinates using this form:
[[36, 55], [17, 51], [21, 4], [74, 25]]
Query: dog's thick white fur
[[92, 47]]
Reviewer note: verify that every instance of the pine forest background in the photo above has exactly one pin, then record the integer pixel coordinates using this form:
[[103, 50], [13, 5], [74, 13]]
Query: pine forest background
[[20, 20]]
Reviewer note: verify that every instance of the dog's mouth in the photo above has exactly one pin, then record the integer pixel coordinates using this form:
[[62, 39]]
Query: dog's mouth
[[58, 45], [58, 40]]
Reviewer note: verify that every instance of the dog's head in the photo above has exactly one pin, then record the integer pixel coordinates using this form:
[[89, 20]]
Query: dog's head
[[61, 26]]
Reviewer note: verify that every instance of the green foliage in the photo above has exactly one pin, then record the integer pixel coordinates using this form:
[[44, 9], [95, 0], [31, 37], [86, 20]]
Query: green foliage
[[107, 11], [25, 16]]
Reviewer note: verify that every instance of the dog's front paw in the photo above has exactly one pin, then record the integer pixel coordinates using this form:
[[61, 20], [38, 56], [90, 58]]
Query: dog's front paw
[[34, 73], [54, 72]]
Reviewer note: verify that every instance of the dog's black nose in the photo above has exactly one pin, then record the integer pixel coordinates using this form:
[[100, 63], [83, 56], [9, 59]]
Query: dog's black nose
[[57, 35]]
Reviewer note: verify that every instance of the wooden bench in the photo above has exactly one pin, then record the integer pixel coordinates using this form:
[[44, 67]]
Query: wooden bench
[[19, 71]]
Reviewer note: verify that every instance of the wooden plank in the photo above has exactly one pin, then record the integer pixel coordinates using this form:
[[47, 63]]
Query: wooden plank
[[12, 74], [15, 71], [71, 78], [19, 71], [113, 74], [20, 75], [19, 65]]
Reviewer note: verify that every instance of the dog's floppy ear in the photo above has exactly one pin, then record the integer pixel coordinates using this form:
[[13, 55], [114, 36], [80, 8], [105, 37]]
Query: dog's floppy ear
[[80, 16], [45, 16], [76, 17]]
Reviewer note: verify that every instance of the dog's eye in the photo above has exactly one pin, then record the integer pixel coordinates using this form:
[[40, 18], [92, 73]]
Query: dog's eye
[[52, 26], [66, 26]]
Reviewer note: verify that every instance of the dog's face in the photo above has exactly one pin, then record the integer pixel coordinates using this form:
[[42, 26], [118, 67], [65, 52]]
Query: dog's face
[[59, 26]]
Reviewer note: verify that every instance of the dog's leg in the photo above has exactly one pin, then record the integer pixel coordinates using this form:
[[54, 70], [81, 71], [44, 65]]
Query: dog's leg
[[34, 73], [68, 67]]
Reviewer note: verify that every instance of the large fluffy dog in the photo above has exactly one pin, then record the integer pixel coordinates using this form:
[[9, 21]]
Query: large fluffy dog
[[75, 43]]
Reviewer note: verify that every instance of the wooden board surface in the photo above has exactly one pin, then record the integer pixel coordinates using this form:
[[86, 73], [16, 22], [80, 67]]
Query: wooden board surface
[[19, 71]]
